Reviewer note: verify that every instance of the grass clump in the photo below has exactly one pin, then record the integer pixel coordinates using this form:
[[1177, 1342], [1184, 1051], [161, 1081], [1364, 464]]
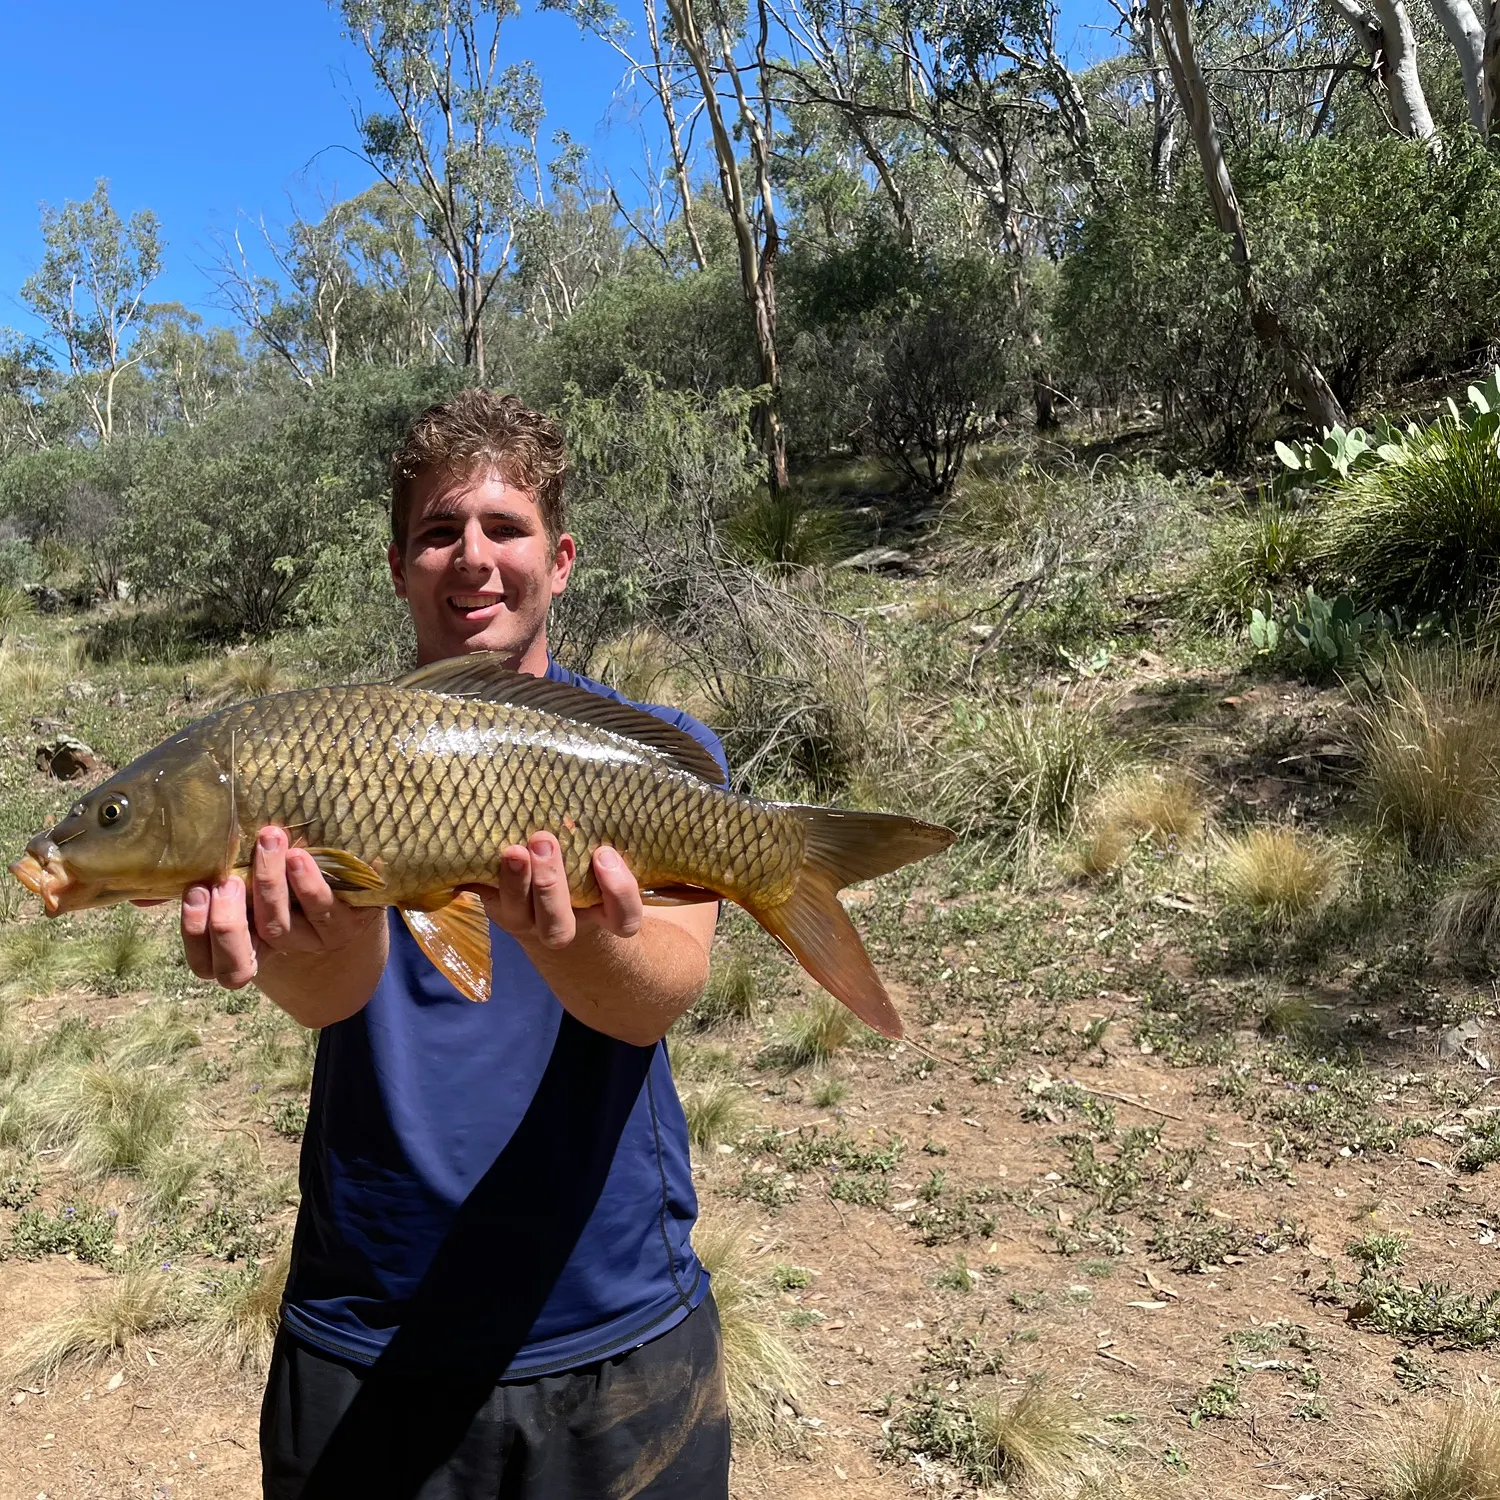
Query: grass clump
[[117, 959], [763, 1373], [1451, 1455], [1422, 533], [1431, 744], [1162, 806], [1466, 922], [237, 1321], [1019, 771], [158, 1033], [1281, 875], [782, 532], [110, 1119], [1264, 550], [107, 1319], [241, 676], [715, 1112], [730, 994], [1041, 1438], [814, 1034]]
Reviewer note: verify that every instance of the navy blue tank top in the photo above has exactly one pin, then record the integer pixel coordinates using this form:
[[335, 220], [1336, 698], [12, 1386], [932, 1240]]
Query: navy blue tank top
[[496, 1188]]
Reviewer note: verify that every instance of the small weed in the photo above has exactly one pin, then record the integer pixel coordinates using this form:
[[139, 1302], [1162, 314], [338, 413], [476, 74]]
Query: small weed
[[956, 1277], [790, 1278], [289, 1117], [866, 1189], [1429, 1310], [79, 1229], [1377, 1251], [828, 1092], [1219, 1398]]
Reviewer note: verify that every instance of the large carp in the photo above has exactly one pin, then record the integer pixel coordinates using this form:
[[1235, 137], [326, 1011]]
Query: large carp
[[407, 792]]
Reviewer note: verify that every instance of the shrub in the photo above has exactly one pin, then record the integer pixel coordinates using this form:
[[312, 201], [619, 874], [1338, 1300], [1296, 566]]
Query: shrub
[[1431, 746], [1422, 533]]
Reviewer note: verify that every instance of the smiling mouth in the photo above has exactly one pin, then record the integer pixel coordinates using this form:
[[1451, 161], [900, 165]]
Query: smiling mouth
[[470, 604]]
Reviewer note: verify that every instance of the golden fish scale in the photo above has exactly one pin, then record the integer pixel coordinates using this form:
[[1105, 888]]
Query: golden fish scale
[[430, 789]]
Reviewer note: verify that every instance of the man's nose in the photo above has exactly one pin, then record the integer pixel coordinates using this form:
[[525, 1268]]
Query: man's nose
[[473, 549]]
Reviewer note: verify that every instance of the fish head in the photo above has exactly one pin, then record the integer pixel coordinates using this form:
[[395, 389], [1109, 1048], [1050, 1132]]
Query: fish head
[[148, 832]]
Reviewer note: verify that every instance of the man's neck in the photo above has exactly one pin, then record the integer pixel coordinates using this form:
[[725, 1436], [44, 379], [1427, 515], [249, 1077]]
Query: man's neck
[[532, 659]]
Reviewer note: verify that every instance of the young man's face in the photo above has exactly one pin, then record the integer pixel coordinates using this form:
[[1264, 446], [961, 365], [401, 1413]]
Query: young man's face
[[479, 572]]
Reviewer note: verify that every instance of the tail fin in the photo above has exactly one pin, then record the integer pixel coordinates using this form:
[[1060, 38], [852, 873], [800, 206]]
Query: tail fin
[[843, 847]]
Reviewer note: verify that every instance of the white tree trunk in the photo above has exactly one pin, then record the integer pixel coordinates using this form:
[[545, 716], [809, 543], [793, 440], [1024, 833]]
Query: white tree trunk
[[1402, 79], [1466, 33]]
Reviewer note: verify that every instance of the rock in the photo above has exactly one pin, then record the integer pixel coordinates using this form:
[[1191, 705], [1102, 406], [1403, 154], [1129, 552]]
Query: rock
[[48, 600], [1455, 1042], [873, 559], [78, 690], [66, 758]]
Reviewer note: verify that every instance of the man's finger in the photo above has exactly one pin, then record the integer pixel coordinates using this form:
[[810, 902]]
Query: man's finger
[[273, 906], [229, 935], [619, 893], [551, 903], [512, 906], [325, 915], [196, 948]]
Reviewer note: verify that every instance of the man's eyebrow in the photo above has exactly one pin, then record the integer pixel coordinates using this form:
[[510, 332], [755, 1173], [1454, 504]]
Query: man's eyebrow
[[450, 513]]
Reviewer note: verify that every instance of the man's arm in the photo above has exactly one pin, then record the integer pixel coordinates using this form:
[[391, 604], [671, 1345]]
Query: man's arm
[[619, 967]]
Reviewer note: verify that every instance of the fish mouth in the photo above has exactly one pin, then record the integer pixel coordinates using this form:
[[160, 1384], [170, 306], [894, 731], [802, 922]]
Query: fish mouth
[[48, 878]]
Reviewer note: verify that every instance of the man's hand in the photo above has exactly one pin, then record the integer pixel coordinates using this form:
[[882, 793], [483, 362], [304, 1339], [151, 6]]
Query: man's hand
[[531, 899], [292, 910]]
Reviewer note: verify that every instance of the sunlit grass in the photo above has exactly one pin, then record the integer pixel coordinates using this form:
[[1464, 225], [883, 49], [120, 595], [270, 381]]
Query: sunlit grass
[[1451, 1454], [1040, 1438], [817, 1032], [105, 1117], [157, 1033], [237, 1321], [248, 674], [765, 1376], [730, 994], [107, 1318], [1281, 875], [715, 1112]]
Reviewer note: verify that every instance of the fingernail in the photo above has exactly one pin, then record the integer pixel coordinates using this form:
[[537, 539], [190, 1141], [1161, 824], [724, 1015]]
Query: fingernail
[[196, 896], [607, 860], [269, 839], [516, 863], [540, 845]]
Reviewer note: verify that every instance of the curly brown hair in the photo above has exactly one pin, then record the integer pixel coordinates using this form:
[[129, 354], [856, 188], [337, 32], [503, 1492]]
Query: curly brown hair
[[477, 430]]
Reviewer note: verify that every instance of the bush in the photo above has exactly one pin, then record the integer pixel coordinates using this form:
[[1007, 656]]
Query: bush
[[1263, 551], [1279, 874]]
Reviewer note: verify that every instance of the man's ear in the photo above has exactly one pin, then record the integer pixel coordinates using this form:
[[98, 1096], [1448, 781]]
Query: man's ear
[[562, 563], [398, 569]]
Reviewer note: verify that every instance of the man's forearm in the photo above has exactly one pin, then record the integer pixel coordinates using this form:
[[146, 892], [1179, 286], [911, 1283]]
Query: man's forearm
[[630, 988], [316, 990]]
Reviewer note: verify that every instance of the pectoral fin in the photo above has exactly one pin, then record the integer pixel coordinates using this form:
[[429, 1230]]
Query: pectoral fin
[[456, 937], [677, 895], [347, 872]]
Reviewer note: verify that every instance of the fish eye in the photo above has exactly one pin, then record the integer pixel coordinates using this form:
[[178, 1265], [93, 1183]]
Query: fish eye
[[112, 813]]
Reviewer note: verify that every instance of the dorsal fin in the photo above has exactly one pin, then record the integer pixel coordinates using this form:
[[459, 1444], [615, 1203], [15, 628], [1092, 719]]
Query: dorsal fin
[[482, 675]]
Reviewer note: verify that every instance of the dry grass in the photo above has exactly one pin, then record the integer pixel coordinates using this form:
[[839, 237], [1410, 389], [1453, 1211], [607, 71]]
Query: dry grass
[[1453, 1454], [237, 1323], [28, 675], [158, 1033], [715, 1111], [1165, 807], [1041, 1439], [1466, 922], [241, 676], [1281, 875], [1431, 741], [764, 1374], [116, 958], [106, 1319]]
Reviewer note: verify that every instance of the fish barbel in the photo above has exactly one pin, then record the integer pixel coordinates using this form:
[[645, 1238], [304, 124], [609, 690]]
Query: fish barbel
[[407, 792]]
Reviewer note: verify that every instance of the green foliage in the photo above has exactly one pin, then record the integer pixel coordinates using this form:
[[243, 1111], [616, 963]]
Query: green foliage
[[1252, 556], [1322, 637], [80, 1229], [782, 532]]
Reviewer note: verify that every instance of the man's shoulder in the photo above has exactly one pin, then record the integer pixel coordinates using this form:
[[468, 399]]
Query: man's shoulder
[[673, 716]]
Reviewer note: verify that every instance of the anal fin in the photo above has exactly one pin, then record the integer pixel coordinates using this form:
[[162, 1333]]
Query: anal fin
[[456, 937], [677, 895]]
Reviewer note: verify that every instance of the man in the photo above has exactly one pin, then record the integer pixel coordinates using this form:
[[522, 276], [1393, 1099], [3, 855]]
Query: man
[[492, 1289]]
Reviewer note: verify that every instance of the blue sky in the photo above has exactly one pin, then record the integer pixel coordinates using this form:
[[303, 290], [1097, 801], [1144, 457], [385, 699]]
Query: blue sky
[[210, 113]]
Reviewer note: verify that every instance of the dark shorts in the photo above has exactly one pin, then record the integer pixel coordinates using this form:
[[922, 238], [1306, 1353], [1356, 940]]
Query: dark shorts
[[651, 1423]]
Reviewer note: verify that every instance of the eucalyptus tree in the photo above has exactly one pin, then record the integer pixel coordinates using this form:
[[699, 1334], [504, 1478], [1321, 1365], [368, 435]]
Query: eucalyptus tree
[[453, 140], [90, 292]]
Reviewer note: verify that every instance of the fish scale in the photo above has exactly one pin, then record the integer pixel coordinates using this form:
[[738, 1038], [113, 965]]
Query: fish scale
[[408, 792]]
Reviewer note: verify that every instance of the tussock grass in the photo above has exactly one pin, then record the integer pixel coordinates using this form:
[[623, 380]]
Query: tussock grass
[[28, 676], [1263, 550], [1422, 532], [764, 1375], [158, 1033], [814, 1034], [109, 1118], [697, 1060], [237, 1321], [828, 1091], [1018, 772], [116, 959], [715, 1111], [1466, 922], [1452, 1454], [730, 994], [783, 532], [108, 1318], [35, 959], [16, 607], [639, 664], [1163, 806], [1041, 1438], [1431, 744], [1281, 875], [171, 1173], [243, 675]]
